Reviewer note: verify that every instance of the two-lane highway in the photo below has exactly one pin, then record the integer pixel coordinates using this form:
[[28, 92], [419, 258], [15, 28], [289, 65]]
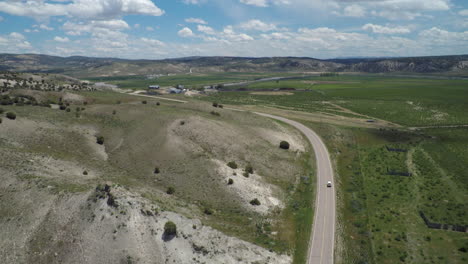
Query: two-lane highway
[[322, 239]]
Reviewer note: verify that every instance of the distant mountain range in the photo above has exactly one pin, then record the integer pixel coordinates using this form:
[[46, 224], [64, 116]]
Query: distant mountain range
[[78, 66]]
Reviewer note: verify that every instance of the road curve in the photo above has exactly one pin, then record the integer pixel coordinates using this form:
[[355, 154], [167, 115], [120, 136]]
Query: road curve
[[322, 240]]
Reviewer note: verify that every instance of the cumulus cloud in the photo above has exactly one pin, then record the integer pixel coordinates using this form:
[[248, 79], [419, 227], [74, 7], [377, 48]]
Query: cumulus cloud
[[196, 21], [258, 25], [14, 43], [61, 39], [185, 32], [261, 3], [92, 27], [386, 30], [354, 11], [84, 9], [463, 12], [206, 30]]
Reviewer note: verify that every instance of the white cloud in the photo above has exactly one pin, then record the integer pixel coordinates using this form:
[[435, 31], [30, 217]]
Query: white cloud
[[354, 11], [463, 12], [84, 9], [153, 42], [192, 2], [261, 3], [206, 30], [256, 24], [45, 27], [92, 27], [136, 26], [386, 30], [14, 43], [61, 39], [196, 21], [149, 28], [185, 32]]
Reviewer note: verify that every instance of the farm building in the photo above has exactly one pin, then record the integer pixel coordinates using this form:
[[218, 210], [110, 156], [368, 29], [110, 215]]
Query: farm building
[[153, 87], [175, 90]]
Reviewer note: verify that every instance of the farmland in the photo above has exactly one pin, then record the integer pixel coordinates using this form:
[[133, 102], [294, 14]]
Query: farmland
[[388, 178]]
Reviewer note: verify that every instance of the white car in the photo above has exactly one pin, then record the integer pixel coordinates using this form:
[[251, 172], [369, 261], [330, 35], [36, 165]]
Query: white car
[[329, 184]]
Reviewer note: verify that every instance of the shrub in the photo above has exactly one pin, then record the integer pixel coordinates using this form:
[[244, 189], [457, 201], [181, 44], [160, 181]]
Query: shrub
[[144, 102], [215, 113], [85, 103], [85, 172], [208, 211], [100, 140], [68, 110], [182, 123], [170, 190], [255, 202], [156, 170], [230, 181], [215, 104], [1, 120], [62, 107], [220, 106], [1, 110], [170, 229], [232, 165], [11, 115], [245, 174], [118, 102], [114, 112], [249, 169], [284, 145], [157, 103]]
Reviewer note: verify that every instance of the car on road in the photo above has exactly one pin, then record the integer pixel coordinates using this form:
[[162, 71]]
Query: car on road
[[329, 184]]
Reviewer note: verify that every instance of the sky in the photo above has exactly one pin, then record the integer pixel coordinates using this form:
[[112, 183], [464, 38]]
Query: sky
[[157, 29]]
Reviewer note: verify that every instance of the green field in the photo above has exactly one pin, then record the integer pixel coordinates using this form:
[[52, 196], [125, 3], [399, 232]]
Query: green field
[[405, 101]]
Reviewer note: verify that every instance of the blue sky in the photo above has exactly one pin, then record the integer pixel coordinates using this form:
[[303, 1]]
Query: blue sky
[[145, 29]]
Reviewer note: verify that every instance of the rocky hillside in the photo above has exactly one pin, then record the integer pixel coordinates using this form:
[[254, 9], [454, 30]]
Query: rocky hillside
[[95, 67]]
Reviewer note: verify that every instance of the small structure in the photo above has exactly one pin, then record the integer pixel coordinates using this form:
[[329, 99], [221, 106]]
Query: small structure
[[153, 87], [175, 90]]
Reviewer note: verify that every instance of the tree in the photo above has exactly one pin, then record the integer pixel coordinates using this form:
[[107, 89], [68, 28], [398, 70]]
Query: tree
[[11, 115], [255, 202], [249, 169], [170, 190], [100, 140], [170, 229], [232, 165], [284, 145]]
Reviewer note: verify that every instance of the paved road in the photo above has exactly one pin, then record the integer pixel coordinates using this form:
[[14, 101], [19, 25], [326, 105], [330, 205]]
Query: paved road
[[322, 241]]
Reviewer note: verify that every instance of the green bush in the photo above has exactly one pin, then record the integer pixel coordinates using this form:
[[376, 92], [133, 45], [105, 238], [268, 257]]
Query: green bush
[[215, 113], [170, 190], [245, 174], [114, 112], [208, 211], [11, 115], [62, 107], [215, 104], [284, 145], [255, 202], [232, 165], [230, 181], [170, 229], [100, 140], [1, 110], [157, 103], [249, 169], [156, 170], [144, 102]]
